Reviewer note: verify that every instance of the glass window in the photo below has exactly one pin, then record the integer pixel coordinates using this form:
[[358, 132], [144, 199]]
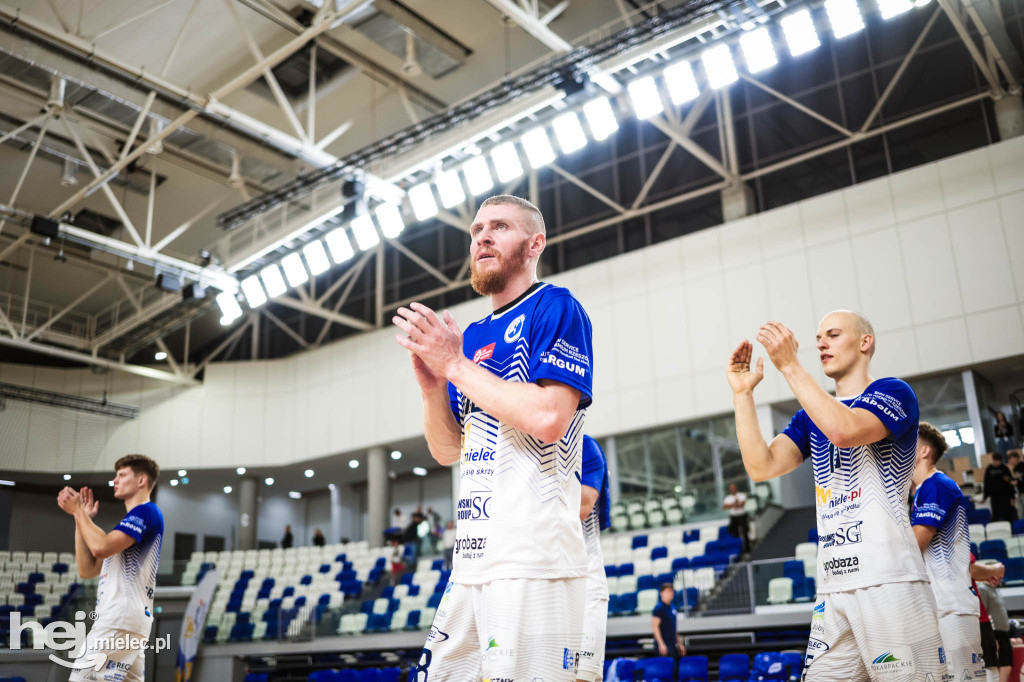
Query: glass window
[[698, 466], [663, 451], [629, 451]]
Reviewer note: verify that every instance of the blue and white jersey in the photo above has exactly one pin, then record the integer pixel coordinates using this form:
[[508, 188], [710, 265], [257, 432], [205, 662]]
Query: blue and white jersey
[[518, 513], [124, 599], [939, 503], [595, 475], [864, 532]]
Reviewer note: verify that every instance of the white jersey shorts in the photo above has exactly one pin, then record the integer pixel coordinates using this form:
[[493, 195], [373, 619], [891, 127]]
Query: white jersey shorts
[[886, 633], [590, 665], [511, 630], [123, 652], [961, 638]]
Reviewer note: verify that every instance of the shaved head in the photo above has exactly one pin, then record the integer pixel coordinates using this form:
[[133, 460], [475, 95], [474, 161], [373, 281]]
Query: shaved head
[[855, 322], [535, 222]]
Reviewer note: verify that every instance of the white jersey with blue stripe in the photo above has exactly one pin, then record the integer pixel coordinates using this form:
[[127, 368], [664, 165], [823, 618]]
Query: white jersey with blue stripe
[[864, 532], [595, 475], [939, 503], [124, 599], [517, 515]]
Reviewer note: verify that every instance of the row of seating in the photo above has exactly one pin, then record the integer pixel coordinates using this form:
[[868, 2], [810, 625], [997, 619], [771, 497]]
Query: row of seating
[[785, 666]]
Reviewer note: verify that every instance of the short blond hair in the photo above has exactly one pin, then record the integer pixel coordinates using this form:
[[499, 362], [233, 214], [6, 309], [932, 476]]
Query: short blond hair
[[528, 206]]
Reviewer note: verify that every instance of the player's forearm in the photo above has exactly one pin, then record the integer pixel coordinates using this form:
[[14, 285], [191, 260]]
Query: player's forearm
[[525, 406], [440, 429], [93, 536], [835, 419], [757, 457], [88, 565]]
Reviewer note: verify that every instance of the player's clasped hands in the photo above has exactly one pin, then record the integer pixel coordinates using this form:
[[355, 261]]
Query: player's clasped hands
[[779, 342], [71, 501], [436, 341]]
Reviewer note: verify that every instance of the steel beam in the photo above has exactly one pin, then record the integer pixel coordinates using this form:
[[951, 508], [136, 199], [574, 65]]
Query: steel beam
[[532, 24], [346, 320]]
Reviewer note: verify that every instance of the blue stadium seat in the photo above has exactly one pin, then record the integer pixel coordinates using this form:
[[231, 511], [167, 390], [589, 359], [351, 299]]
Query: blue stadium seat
[[665, 578], [210, 634], [993, 549], [693, 668], [613, 605], [439, 588], [627, 603], [803, 589], [379, 622], [59, 568], [812, 535], [611, 570], [306, 580], [723, 532], [247, 575], [687, 600], [406, 579], [300, 601], [366, 607], [658, 669], [390, 674], [322, 676], [351, 588], [626, 569], [241, 632], [639, 541], [371, 675], [243, 617], [680, 563], [768, 666], [794, 570], [414, 590], [734, 668], [345, 575], [341, 557], [793, 662], [659, 553], [1014, 571], [623, 668], [325, 568], [256, 677], [438, 565], [983, 516], [375, 575], [435, 600], [288, 591], [646, 582], [1018, 527], [691, 535], [412, 622]]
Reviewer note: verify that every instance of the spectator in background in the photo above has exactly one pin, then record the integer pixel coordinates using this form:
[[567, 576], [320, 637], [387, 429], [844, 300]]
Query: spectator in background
[[318, 538], [663, 626], [424, 536], [448, 540], [1001, 628], [287, 540], [1017, 473], [1000, 488], [1004, 434], [739, 523]]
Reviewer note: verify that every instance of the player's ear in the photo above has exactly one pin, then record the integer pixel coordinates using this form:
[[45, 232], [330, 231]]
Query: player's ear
[[537, 243]]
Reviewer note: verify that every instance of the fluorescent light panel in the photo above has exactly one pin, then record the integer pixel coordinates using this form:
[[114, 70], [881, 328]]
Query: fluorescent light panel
[[339, 244], [478, 175], [844, 16], [316, 257], [294, 269], [643, 92], [422, 199], [537, 144], [506, 162], [229, 308], [449, 188], [801, 36], [718, 66], [681, 83], [758, 51], [389, 217], [253, 291], [273, 281], [893, 8], [569, 132], [365, 234], [600, 118]]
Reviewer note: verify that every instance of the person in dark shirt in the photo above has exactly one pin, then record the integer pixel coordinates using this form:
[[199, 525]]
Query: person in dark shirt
[[663, 625], [1017, 471], [318, 538], [999, 487], [287, 540]]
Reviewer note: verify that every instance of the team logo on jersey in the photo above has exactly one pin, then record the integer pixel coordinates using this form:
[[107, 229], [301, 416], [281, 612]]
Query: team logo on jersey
[[825, 497], [846, 534], [484, 353], [474, 508], [898, 659], [514, 329]]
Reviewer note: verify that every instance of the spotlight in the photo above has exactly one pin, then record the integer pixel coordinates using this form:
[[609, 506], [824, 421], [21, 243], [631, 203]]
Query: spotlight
[[538, 147], [643, 92], [339, 245], [294, 495], [506, 162], [389, 217], [396, 455], [449, 188], [294, 270], [229, 308], [353, 464], [365, 233], [110, 484], [569, 132], [67, 477], [308, 473], [331, 486], [844, 15], [718, 66], [273, 281], [316, 257], [422, 199], [173, 482], [758, 51], [227, 490], [240, 471], [253, 291], [182, 472], [268, 481], [893, 8], [419, 471], [681, 83], [800, 34], [478, 175], [160, 356], [600, 118], [184, 480]]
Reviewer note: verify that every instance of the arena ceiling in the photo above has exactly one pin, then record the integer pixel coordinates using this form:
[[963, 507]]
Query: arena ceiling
[[205, 140]]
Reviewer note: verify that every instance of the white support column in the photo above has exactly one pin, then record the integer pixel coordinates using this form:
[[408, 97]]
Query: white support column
[[248, 494], [376, 495]]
